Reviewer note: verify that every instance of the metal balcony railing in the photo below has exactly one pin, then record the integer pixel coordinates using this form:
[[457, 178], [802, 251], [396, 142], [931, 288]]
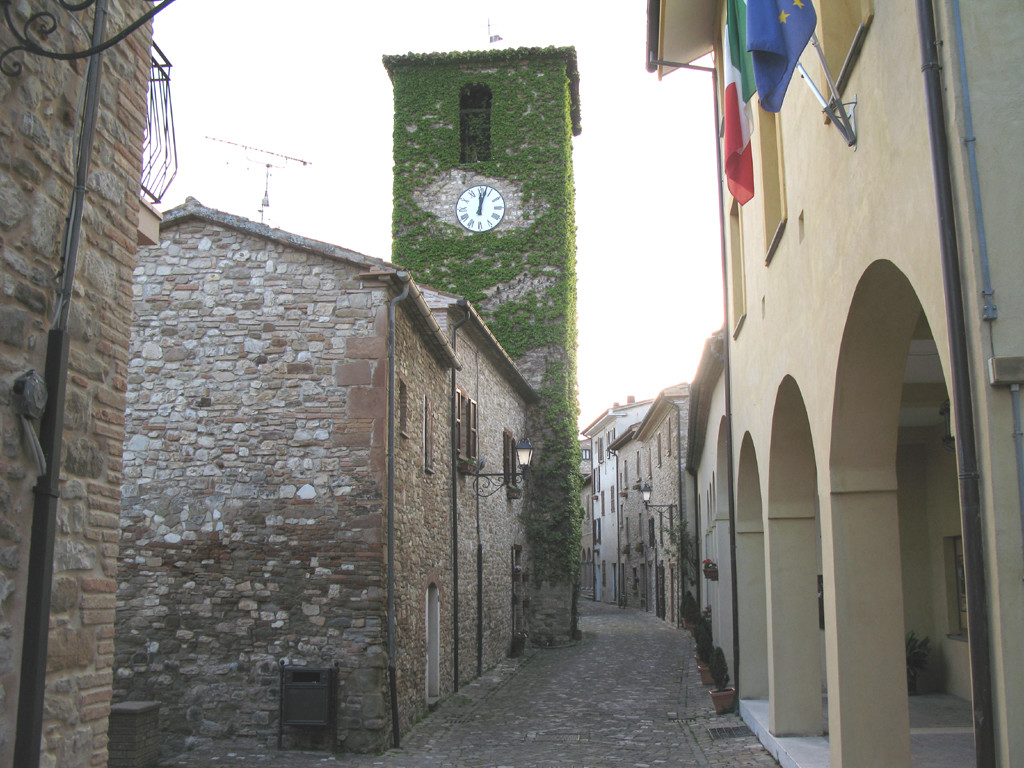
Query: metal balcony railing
[[159, 150]]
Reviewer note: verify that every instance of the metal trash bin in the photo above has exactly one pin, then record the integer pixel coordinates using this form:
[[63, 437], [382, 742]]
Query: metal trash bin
[[307, 695]]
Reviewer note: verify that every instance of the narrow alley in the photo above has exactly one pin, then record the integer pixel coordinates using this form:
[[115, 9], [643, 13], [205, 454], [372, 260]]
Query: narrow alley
[[627, 694]]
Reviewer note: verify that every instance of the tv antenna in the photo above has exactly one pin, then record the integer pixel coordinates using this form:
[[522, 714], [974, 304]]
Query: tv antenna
[[266, 161]]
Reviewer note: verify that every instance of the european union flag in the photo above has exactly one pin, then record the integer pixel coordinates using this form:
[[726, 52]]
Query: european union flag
[[777, 33]]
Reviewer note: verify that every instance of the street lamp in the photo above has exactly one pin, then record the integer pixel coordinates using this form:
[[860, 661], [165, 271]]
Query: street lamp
[[645, 492], [493, 481]]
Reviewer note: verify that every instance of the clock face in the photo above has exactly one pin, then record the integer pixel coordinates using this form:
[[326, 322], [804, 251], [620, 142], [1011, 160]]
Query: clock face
[[480, 208]]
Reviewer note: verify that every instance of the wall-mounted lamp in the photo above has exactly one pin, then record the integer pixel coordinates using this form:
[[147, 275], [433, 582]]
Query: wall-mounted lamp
[[493, 481]]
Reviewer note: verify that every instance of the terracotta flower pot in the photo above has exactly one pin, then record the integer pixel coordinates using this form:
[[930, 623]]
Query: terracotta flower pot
[[705, 674], [724, 700]]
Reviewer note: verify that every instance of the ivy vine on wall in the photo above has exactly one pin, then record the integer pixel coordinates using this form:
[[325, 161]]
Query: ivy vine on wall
[[534, 114]]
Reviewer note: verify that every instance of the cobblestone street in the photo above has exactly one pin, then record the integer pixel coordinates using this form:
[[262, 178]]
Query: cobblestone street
[[628, 694]]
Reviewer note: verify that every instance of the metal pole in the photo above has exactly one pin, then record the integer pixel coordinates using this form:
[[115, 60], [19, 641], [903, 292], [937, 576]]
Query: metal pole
[[963, 405]]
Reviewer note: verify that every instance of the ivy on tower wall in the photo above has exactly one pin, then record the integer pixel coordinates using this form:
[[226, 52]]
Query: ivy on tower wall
[[521, 275]]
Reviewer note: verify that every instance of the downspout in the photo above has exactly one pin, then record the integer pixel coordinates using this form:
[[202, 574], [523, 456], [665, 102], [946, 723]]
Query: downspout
[[32, 687], [727, 368], [727, 373], [681, 498], [392, 665], [963, 406], [455, 506]]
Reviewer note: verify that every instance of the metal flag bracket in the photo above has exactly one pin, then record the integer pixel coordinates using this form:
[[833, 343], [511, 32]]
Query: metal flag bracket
[[839, 112]]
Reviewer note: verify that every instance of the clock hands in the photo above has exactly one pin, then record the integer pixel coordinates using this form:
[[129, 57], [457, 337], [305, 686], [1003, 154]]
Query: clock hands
[[480, 207]]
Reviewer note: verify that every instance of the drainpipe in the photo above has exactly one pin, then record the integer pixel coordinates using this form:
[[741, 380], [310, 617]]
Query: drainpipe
[[405, 278], [681, 497], [963, 406], [455, 504], [32, 688]]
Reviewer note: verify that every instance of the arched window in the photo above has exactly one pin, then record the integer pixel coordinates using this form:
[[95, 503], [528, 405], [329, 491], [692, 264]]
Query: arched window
[[475, 123]]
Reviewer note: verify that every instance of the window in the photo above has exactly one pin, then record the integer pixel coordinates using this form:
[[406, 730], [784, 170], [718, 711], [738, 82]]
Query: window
[[650, 530], [738, 295], [509, 458], [659, 449], [586, 454], [638, 473], [844, 24], [600, 450], [958, 589], [669, 441], [604, 573], [428, 435], [475, 123], [773, 196], [403, 409], [465, 426]]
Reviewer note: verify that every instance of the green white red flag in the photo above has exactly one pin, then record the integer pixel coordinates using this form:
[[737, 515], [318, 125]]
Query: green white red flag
[[739, 89]]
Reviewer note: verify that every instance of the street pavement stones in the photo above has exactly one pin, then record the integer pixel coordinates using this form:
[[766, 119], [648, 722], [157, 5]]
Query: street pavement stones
[[627, 694]]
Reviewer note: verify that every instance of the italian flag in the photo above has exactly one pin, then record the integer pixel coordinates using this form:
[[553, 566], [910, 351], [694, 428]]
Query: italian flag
[[739, 88]]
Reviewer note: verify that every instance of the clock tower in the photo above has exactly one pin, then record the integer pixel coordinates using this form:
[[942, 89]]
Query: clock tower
[[483, 207]]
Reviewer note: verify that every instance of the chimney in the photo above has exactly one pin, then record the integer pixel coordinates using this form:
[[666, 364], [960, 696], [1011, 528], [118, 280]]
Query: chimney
[[630, 399]]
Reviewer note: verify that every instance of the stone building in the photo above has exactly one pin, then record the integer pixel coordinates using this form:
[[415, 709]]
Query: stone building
[[266, 443], [602, 432], [55, 665], [490, 399], [653, 511], [860, 411]]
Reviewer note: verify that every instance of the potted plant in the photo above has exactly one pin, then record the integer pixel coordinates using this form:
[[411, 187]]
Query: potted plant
[[690, 611], [705, 646], [710, 569], [467, 466], [513, 492], [722, 697], [917, 659]]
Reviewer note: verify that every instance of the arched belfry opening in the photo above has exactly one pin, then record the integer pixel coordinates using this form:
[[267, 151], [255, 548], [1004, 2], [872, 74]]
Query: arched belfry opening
[[475, 123]]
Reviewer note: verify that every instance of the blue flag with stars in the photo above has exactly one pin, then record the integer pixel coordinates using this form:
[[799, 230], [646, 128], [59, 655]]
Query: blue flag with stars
[[777, 33]]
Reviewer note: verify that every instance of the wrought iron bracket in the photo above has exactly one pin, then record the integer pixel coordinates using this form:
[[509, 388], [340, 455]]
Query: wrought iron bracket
[[31, 35], [495, 481]]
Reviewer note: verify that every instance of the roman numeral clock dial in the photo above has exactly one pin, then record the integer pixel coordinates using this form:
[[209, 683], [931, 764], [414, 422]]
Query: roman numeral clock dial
[[480, 209]]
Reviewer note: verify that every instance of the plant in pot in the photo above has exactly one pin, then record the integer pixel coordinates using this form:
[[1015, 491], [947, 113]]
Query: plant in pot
[[710, 569], [467, 466], [705, 647], [690, 611], [722, 697], [917, 659]]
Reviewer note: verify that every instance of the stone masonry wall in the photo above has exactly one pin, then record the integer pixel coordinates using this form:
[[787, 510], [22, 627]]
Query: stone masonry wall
[[499, 407], [422, 518], [252, 518], [39, 121]]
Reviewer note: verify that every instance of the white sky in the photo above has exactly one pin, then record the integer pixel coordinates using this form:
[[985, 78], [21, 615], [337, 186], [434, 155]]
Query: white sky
[[304, 79]]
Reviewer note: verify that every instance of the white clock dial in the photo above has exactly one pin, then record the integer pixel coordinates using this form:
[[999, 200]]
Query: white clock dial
[[480, 208]]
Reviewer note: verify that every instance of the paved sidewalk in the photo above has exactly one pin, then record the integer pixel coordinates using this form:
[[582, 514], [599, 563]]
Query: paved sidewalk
[[628, 694]]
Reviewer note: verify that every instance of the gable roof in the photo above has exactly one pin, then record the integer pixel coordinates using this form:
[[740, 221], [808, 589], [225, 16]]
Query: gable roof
[[192, 210]]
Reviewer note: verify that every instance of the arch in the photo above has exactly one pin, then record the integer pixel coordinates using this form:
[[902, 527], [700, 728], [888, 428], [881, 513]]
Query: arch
[[792, 556], [433, 625], [750, 589], [869, 719], [475, 123]]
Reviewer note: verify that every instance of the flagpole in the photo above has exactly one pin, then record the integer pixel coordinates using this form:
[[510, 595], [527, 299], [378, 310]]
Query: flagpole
[[834, 107]]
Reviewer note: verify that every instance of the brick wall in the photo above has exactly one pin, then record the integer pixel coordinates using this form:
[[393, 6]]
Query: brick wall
[[38, 125]]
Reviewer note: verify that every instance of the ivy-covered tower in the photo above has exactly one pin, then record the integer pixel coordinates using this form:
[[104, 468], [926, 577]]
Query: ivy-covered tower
[[483, 207]]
